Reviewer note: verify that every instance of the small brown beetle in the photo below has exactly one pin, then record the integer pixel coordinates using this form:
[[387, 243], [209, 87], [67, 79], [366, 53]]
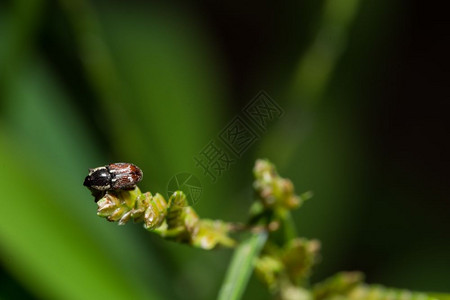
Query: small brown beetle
[[118, 176]]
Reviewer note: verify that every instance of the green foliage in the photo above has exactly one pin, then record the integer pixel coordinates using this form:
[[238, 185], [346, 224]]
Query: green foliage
[[84, 85], [286, 269], [173, 220]]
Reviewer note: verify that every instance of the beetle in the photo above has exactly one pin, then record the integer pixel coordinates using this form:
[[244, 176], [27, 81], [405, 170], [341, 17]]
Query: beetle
[[117, 176]]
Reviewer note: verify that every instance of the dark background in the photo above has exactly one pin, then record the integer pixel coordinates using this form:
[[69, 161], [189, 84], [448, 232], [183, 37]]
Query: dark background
[[370, 138]]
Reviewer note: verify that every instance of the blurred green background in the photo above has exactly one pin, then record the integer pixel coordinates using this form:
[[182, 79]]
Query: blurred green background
[[87, 83]]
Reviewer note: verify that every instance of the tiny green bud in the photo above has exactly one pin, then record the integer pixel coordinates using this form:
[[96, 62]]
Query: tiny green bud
[[271, 189]]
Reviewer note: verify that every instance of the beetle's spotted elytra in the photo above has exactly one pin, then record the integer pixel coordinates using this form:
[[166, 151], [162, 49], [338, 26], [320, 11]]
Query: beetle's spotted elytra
[[117, 176]]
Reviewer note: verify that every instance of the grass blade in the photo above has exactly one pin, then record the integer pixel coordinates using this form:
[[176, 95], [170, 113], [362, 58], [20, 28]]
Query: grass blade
[[241, 266]]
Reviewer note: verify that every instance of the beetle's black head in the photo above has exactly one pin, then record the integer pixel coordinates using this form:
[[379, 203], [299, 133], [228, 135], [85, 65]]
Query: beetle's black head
[[98, 179]]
